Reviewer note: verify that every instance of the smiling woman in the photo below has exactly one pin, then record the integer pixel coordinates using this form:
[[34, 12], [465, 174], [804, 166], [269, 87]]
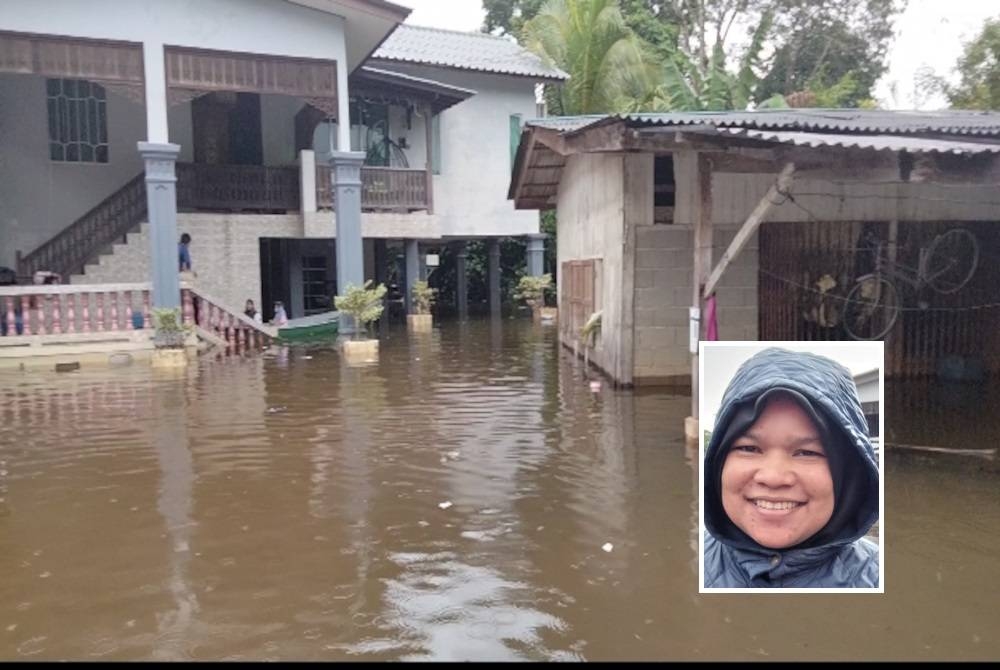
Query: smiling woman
[[791, 482]]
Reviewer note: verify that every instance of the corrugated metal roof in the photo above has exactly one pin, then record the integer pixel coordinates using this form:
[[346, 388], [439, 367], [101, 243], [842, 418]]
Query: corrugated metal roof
[[876, 142], [957, 122], [466, 51]]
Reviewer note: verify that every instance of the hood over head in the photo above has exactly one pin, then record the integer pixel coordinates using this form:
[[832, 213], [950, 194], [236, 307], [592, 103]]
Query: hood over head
[[826, 392]]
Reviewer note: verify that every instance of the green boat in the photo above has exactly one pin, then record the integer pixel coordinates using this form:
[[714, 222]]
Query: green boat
[[314, 327]]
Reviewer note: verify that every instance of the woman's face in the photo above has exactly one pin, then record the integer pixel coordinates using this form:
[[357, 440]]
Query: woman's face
[[776, 482]]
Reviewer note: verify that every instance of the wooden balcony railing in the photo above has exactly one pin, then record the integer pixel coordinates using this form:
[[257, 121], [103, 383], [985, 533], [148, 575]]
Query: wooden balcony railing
[[237, 187], [382, 189]]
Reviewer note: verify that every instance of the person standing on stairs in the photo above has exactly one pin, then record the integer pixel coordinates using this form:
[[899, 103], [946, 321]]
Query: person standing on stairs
[[184, 253]]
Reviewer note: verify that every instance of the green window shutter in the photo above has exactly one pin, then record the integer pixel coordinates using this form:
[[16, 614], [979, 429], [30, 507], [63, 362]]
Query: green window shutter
[[436, 144], [515, 137]]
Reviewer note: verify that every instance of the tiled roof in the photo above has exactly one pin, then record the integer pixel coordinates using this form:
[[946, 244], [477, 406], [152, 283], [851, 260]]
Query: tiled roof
[[465, 51]]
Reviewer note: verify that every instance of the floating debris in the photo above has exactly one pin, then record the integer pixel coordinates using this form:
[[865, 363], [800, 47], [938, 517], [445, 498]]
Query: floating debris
[[608, 547], [595, 386], [445, 505]]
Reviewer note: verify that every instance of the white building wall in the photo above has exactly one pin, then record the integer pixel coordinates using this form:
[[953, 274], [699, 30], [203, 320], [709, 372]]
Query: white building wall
[[470, 194], [39, 197], [252, 26]]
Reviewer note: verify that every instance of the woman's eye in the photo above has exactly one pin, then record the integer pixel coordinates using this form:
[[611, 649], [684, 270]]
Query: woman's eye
[[746, 448], [810, 453]]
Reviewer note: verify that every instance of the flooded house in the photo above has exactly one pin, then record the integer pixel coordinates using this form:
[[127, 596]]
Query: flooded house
[[791, 224], [300, 144]]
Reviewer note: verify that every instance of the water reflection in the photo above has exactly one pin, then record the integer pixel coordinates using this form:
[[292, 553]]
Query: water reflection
[[450, 502]]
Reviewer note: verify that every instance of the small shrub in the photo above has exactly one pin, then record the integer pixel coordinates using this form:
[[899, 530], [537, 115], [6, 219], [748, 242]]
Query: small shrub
[[423, 297], [363, 304]]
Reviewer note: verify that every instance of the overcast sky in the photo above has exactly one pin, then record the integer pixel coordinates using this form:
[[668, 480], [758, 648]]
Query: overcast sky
[[929, 33]]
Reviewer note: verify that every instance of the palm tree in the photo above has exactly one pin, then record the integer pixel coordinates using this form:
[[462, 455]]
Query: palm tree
[[608, 64]]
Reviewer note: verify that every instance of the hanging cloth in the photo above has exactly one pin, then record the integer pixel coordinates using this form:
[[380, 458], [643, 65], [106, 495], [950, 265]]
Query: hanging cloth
[[712, 327]]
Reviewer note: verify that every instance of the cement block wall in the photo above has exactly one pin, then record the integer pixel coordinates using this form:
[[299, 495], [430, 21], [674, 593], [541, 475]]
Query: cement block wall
[[663, 294], [225, 254], [644, 287]]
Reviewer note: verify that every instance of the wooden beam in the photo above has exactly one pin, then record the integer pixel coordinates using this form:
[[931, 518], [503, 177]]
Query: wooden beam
[[749, 227], [525, 165], [702, 261], [428, 152]]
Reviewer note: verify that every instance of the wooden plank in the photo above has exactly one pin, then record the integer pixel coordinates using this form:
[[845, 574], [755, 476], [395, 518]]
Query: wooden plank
[[702, 260], [749, 227]]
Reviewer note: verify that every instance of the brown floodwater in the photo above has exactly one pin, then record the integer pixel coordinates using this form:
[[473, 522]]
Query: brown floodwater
[[286, 506]]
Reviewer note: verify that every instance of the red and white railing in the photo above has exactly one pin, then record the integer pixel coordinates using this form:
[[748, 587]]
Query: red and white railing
[[31, 311], [220, 323], [39, 314]]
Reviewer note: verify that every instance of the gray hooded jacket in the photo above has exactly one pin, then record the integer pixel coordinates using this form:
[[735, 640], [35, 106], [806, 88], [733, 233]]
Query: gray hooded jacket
[[837, 556]]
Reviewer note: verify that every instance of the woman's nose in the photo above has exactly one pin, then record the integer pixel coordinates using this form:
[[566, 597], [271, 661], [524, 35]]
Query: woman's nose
[[775, 471]]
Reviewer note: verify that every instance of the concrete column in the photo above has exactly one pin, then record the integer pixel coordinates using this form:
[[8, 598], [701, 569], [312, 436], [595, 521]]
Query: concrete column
[[412, 270], [155, 87], [461, 281], [307, 181], [494, 276], [161, 196], [346, 178], [343, 107], [536, 255]]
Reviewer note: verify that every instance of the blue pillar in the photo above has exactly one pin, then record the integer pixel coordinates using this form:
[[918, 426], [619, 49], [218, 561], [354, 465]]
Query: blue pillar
[[412, 271], [346, 178], [494, 276], [536, 255], [161, 199]]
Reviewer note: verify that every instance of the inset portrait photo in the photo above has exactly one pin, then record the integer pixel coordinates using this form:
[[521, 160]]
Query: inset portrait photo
[[791, 480]]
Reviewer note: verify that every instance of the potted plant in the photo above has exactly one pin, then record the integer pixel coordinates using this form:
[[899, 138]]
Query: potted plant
[[533, 290], [423, 299], [169, 338], [364, 305]]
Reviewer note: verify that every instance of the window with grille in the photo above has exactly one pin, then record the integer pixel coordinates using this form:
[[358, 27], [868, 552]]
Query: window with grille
[[78, 121]]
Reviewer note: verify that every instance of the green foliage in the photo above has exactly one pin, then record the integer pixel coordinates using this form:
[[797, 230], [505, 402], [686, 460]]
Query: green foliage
[[363, 304], [979, 71], [590, 40], [170, 332], [818, 44], [532, 290], [423, 297], [167, 320]]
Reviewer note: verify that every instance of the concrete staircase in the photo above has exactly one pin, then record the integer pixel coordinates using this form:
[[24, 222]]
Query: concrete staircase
[[122, 262]]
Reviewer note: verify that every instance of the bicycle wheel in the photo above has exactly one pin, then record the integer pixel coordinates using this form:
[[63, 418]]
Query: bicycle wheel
[[952, 260], [872, 308]]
